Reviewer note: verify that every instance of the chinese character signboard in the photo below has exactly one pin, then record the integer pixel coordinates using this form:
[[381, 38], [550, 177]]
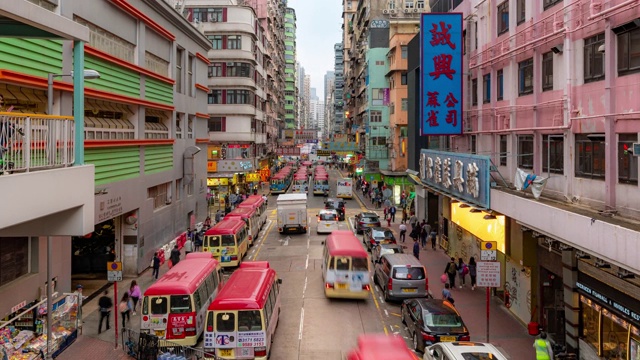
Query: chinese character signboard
[[463, 176], [235, 165], [441, 82], [288, 151], [341, 146]]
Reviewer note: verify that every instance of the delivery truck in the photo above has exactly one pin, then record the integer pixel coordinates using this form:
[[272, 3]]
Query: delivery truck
[[292, 213], [345, 188]]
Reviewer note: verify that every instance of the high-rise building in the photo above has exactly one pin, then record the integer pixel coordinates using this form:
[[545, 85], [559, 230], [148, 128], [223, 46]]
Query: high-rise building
[[302, 109], [306, 88], [291, 97], [329, 77], [339, 95]]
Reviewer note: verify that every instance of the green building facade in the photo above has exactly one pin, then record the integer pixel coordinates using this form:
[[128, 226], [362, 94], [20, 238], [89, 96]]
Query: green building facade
[[291, 96]]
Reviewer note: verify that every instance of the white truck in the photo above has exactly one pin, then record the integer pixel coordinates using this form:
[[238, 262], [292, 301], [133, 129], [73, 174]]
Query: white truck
[[345, 188], [292, 213]]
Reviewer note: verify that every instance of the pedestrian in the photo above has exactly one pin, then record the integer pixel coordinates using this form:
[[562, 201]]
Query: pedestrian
[[188, 246], [198, 241], [386, 212], [175, 256], [416, 249], [392, 211], [207, 222], [155, 265], [79, 313], [463, 270], [423, 234], [134, 294], [413, 220], [473, 272], [446, 294], [404, 215], [433, 238], [105, 303], [125, 308], [403, 231], [451, 272], [543, 347], [389, 220]]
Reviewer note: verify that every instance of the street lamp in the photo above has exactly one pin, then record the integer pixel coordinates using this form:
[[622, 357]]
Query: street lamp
[[88, 74]]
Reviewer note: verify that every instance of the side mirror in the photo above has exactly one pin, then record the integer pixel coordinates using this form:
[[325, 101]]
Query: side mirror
[[279, 281]]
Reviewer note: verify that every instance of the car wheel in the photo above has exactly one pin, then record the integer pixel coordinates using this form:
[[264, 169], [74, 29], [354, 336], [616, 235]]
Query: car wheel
[[416, 346], [375, 280], [404, 322]]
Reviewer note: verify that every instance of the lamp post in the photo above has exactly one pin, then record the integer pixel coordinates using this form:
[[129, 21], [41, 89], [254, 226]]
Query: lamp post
[[88, 74]]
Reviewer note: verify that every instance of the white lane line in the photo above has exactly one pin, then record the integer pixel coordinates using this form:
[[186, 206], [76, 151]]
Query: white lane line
[[381, 299], [353, 226], [306, 265], [304, 289], [301, 324], [386, 313]]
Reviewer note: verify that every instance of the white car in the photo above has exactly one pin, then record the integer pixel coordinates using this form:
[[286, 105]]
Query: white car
[[327, 221], [462, 350]]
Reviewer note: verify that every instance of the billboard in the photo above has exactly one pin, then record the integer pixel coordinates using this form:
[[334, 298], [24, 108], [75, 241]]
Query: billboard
[[441, 93]]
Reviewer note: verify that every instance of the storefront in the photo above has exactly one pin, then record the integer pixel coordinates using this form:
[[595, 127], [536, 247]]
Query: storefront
[[399, 183], [252, 181], [218, 187], [609, 315]]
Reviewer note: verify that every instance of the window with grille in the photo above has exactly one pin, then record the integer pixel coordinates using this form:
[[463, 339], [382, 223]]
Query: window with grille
[[405, 104], [503, 150], [590, 161], [547, 71], [159, 194], [500, 85], [627, 163], [503, 17], [234, 42], [376, 116], [214, 97], [525, 77], [593, 59], [486, 88], [104, 40], [377, 97], [403, 78], [216, 41], [629, 52], [525, 151], [474, 92], [178, 191], [215, 70], [156, 64], [190, 83], [404, 51], [553, 152], [240, 97], [179, 60], [549, 3], [520, 11]]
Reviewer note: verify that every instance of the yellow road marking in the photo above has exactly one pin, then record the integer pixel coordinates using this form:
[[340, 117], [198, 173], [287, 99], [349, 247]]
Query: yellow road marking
[[394, 314], [264, 238]]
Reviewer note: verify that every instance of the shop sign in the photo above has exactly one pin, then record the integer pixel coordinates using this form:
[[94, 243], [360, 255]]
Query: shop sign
[[234, 165], [109, 208], [612, 304], [217, 181], [441, 82], [19, 306], [288, 150], [238, 146], [341, 146], [324, 153], [463, 176], [252, 177], [212, 166], [306, 134]]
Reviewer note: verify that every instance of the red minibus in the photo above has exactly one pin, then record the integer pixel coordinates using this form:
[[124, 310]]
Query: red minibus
[[227, 241], [381, 347], [250, 216], [345, 266], [258, 203]]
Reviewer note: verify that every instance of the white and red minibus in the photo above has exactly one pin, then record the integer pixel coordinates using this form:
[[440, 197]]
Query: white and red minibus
[[250, 216], [174, 307], [228, 241], [258, 203], [381, 347], [242, 319], [345, 266]]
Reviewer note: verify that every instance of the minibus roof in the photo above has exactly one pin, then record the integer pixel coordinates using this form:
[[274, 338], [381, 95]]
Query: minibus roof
[[226, 227], [246, 289], [184, 278], [243, 212], [344, 243], [381, 347]]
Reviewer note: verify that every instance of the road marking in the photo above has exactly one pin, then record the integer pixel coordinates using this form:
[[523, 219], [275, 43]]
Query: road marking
[[304, 289], [394, 314], [285, 241], [386, 312], [302, 324], [306, 266], [255, 256]]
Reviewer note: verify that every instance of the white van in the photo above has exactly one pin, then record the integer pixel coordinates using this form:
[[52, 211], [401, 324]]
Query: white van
[[327, 221]]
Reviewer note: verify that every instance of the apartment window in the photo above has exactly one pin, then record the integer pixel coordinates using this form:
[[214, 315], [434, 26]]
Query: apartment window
[[160, 195], [547, 71], [179, 56], [475, 35], [178, 191], [590, 156], [474, 144], [627, 163], [500, 85], [420, 4], [520, 11], [15, 258], [380, 62], [474, 92], [486, 88], [377, 97], [217, 124], [215, 70], [375, 116], [593, 59], [214, 97], [404, 51], [525, 77], [239, 97], [234, 42], [239, 70], [525, 151], [550, 3], [403, 78], [216, 41], [207, 14], [503, 150], [190, 84], [405, 104], [190, 188], [379, 140], [629, 52], [503, 17], [553, 151]]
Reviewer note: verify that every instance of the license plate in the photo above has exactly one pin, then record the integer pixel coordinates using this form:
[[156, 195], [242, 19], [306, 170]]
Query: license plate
[[292, 217], [327, 225], [341, 286], [226, 352], [369, 225], [408, 290], [245, 351], [159, 333], [447, 338]]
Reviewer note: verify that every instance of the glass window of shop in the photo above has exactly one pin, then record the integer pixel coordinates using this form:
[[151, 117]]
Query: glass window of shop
[[611, 336]]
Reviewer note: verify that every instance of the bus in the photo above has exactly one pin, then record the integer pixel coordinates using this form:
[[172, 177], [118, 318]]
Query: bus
[[174, 307], [381, 347], [320, 184], [242, 319], [227, 241], [257, 202], [345, 266], [250, 217], [278, 182], [301, 183]]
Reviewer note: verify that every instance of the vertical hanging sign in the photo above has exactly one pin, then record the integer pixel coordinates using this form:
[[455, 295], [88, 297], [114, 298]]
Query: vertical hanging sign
[[441, 74]]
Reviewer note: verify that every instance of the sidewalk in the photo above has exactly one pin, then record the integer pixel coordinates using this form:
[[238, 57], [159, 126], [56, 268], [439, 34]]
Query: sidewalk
[[506, 331]]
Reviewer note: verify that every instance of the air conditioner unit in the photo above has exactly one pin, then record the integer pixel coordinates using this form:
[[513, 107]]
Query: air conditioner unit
[[416, 10], [406, 11], [392, 11], [385, 11], [393, 154]]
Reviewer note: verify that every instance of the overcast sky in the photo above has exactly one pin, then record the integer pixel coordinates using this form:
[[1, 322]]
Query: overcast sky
[[318, 29]]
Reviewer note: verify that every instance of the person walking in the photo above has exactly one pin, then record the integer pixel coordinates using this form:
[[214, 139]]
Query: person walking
[[413, 220], [392, 213], [451, 271], [404, 215], [124, 309], [463, 270], [155, 265], [175, 256], [433, 235], [473, 272], [188, 245], [80, 299], [134, 294], [424, 231], [416, 249], [403, 231], [543, 347], [105, 303]]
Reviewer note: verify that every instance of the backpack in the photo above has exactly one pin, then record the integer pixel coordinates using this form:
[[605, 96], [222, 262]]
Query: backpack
[[451, 269], [465, 269]]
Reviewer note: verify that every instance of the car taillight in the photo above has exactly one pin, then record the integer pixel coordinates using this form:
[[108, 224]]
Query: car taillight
[[390, 284], [260, 351], [234, 258], [145, 318], [465, 338], [328, 286], [366, 287], [428, 337], [210, 328]]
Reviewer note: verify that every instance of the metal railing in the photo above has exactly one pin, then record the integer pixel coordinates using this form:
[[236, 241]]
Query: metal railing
[[145, 346], [32, 141]]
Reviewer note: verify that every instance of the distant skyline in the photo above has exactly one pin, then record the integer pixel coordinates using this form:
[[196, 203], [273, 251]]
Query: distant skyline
[[318, 29]]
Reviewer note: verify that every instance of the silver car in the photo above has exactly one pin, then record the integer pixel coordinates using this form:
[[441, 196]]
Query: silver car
[[401, 276], [383, 249]]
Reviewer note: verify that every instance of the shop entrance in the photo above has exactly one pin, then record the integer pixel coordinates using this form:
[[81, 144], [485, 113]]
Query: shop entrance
[[552, 305], [90, 253]]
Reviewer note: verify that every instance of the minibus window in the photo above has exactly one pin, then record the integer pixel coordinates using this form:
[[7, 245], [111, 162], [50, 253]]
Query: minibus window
[[225, 322], [342, 263], [180, 304], [359, 264], [228, 240], [249, 320], [212, 241], [145, 305], [158, 305]]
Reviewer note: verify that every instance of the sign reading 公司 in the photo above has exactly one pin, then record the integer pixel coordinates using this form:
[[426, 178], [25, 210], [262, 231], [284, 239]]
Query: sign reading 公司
[[441, 65], [463, 176]]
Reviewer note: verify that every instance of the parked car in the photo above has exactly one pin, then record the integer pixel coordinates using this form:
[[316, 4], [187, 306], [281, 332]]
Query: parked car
[[431, 321], [401, 276], [327, 221], [383, 249], [366, 219], [463, 350], [377, 235], [337, 205]]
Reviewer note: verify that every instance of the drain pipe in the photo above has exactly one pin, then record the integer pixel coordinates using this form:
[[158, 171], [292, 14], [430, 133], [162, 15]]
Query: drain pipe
[[596, 4]]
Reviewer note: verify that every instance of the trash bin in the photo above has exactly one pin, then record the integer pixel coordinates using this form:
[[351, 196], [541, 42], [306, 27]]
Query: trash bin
[[534, 328]]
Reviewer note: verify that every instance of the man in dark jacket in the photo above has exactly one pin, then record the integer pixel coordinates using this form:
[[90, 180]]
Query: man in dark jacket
[[175, 256], [105, 303]]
